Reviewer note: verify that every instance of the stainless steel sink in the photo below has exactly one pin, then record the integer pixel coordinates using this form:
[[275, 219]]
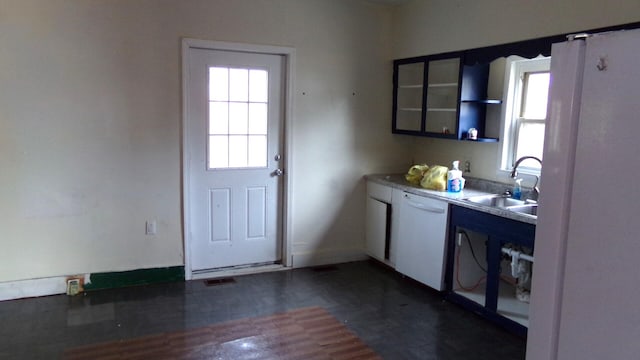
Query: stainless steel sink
[[507, 203], [501, 201], [529, 209]]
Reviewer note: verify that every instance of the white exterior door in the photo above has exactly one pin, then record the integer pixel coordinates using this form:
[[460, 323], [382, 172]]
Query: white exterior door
[[233, 145]]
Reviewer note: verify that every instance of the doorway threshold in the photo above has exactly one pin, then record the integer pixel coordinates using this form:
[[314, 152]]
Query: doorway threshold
[[236, 271]]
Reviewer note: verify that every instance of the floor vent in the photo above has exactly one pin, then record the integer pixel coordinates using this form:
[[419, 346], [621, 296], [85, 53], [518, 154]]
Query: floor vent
[[324, 268], [221, 281]]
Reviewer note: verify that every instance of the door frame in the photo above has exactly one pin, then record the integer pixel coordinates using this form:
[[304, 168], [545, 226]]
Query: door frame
[[289, 65]]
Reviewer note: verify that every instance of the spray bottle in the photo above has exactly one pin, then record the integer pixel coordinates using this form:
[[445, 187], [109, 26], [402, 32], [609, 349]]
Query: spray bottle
[[517, 189], [455, 182]]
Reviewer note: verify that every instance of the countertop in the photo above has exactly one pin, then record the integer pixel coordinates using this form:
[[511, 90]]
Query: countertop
[[398, 181]]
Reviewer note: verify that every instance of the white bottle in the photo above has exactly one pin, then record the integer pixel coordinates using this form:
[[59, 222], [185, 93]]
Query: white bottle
[[454, 178]]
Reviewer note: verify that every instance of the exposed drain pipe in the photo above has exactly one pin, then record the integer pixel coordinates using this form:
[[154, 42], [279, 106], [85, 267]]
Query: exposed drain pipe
[[516, 256], [520, 271]]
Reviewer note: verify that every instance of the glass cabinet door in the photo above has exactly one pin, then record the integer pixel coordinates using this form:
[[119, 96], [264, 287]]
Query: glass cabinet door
[[442, 96], [409, 96]]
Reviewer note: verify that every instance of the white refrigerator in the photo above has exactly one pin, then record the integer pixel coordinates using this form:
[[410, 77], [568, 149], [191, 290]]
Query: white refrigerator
[[585, 300]]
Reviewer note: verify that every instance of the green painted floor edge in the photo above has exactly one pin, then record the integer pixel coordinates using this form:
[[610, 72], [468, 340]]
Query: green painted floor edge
[[110, 280]]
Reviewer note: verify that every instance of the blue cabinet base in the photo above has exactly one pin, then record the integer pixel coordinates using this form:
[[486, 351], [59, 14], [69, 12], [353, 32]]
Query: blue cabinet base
[[499, 231], [490, 315]]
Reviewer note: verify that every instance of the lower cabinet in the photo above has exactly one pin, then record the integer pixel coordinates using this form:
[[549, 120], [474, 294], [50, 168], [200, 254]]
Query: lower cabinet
[[482, 275], [421, 238], [407, 232], [378, 222], [466, 252], [377, 232]]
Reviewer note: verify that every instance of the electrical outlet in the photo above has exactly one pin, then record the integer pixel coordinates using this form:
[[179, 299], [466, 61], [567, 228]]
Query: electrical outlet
[[75, 285], [150, 227]]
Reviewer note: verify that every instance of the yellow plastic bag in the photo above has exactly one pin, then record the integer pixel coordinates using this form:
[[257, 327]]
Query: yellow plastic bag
[[435, 178], [415, 173]]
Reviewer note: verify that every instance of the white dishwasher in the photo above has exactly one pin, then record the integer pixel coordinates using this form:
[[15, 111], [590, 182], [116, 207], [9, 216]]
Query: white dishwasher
[[422, 231]]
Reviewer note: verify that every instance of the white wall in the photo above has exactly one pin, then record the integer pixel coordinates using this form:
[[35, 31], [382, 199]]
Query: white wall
[[90, 93], [91, 114], [423, 27]]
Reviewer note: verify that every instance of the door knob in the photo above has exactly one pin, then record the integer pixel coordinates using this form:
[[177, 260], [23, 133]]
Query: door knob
[[278, 172]]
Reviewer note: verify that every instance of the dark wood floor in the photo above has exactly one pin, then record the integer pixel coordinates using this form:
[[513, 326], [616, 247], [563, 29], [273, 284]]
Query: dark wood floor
[[394, 316]]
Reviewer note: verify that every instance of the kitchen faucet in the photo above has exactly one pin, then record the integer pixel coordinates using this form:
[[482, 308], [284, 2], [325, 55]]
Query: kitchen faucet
[[514, 173]]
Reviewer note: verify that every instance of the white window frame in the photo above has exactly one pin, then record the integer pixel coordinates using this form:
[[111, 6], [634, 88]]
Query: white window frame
[[515, 69]]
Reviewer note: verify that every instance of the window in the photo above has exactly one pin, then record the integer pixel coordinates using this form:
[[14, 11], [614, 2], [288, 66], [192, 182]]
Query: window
[[238, 108], [526, 112]]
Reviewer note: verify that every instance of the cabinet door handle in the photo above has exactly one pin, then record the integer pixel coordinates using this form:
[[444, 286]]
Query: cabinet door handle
[[425, 208]]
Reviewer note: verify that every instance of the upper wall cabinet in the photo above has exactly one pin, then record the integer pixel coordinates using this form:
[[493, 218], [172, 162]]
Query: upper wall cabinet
[[408, 96], [439, 96], [445, 95]]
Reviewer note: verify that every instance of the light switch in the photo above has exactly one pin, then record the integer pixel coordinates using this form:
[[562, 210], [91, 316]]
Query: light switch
[[150, 227]]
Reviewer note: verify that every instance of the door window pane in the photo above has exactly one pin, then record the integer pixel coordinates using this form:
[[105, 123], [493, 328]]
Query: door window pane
[[218, 84], [218, 151], [258, 119], [258, 86], [238, 85], [237, 151], [218, 118], [258, 150], [238, 118]]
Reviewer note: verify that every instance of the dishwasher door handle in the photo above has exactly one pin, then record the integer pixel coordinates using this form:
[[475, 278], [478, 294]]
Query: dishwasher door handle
[[425, 208]]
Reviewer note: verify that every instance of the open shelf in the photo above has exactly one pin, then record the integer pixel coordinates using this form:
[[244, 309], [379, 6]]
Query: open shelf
[[443, 109], [477, 295], [510, 307], [484, 140], [487, 101], [443, 85]]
